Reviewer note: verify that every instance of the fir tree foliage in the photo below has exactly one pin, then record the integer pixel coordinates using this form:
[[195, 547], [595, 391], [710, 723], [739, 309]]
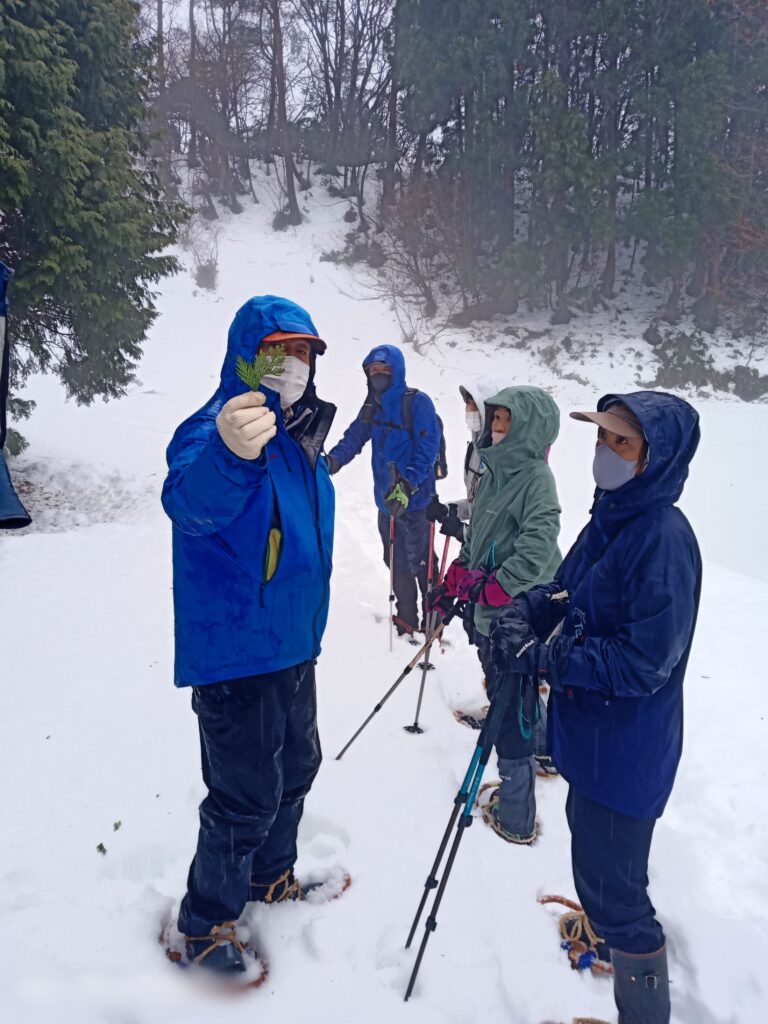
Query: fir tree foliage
[[86, 222], [267, 363]]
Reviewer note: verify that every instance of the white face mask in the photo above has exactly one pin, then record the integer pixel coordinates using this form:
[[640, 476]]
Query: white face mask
[[474, 422], [497, 437], [291, 383]]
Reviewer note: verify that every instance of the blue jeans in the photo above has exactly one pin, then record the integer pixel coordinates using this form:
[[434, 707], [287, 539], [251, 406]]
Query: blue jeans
[[260, 754], [514, 747], [609, 856]]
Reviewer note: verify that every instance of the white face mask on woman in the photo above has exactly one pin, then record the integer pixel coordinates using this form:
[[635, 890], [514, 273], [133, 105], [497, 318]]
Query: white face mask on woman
[[474, 422], [291, 383], [497, 437]]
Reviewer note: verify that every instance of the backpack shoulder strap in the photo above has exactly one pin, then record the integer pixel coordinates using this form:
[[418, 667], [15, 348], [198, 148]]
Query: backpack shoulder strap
[[406, 408], [366, 411]]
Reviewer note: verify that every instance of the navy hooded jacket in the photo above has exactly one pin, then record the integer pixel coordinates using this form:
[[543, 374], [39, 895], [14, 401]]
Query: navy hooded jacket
[[232, 618], [634, 580], [380, 421]]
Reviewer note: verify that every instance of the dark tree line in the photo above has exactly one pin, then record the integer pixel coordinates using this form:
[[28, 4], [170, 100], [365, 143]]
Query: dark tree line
[[528, 150], [552, 133]]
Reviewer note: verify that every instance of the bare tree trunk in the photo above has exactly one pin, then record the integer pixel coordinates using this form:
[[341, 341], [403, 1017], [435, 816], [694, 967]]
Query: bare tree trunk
[[699, 278], [192, 160], [388, 181], [160, 48], [294, 214]]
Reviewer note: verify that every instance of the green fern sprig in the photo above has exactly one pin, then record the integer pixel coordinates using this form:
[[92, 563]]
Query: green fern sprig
[[266, 364]]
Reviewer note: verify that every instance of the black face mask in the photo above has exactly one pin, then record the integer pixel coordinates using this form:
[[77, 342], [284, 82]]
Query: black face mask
[[380, 382]]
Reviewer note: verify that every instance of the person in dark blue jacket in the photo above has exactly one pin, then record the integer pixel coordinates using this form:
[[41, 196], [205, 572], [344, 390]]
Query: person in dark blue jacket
[[403, 456], [252, 506], [624, 603]]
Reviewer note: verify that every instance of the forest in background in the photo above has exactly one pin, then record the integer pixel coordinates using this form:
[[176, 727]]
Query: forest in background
[[491, 157], [520, 146]]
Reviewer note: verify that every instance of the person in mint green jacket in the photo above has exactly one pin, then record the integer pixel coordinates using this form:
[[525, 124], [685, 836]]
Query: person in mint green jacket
[[510, 546]]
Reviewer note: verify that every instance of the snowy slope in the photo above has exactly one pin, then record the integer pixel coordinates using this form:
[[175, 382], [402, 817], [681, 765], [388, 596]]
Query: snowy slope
[[94, 732]]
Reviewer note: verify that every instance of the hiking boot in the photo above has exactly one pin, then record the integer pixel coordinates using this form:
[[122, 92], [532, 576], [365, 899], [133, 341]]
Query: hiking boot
[[220, 951]]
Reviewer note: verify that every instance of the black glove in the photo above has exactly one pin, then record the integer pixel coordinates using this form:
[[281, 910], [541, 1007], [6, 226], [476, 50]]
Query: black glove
[[515, 647], [537, 607], [333, 464], [440, 601], [435, 511], [452, 526]]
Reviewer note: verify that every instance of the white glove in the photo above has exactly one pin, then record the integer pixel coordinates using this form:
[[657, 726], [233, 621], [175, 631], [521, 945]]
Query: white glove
[[245, 425]]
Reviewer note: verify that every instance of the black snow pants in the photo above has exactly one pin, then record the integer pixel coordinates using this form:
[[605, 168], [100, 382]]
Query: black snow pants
[[609, 854], [412, 556], [260, 754]]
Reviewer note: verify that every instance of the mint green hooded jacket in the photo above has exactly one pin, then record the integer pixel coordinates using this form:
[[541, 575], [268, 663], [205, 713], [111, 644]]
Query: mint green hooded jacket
[[516, 515]]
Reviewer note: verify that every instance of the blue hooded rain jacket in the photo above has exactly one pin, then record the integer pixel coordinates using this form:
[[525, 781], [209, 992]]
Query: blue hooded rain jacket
[[233, 617], [634, 580], [380, 421]]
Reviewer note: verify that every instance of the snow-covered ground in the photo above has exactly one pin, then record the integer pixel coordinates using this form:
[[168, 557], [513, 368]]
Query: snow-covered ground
[[99, 748]]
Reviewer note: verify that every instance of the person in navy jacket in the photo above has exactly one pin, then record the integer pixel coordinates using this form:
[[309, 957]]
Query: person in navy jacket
[[624, 606], [403, 457], [252, 507]]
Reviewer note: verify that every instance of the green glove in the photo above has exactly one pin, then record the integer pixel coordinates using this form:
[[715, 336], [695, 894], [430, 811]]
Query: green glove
[[398, 498]]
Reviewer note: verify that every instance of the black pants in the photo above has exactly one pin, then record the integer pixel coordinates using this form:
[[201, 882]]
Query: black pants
[[609, 855], [412, 556], [260, 754]]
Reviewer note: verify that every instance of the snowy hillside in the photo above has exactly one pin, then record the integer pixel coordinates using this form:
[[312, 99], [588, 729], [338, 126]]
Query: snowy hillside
[[99, 748]]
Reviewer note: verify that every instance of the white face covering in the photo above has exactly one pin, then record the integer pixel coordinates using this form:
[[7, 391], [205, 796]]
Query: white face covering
[[474, 422], [497, 436], [291, 383]]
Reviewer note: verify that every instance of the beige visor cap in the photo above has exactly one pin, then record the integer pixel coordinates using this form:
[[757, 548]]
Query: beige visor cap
[[619, 419]]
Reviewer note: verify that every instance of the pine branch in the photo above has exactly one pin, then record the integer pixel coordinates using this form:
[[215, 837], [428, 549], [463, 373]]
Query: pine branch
[[270, 364]]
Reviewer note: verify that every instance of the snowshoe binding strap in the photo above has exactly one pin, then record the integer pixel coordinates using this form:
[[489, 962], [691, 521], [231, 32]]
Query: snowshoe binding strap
[[220, 935], [579, 939], [286, 887]]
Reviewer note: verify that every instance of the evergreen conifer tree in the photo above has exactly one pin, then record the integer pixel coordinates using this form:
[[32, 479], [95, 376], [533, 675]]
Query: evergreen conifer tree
[[85, 220]]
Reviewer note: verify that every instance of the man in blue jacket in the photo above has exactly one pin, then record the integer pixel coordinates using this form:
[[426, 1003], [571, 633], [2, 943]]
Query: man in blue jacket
[[252, 507], [627, 595], [405, 433]]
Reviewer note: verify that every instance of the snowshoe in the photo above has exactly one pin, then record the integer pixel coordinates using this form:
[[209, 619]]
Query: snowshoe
[[220, 957], [287, 888], [470, 719], [579, 1020], [585, 948], [545, 769], [404, 629], [487, 802]]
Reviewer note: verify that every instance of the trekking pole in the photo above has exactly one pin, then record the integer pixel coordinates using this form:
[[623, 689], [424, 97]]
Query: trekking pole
[[406, 671], [466, 796], [483, 747], [391, 578], [430, 624]]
